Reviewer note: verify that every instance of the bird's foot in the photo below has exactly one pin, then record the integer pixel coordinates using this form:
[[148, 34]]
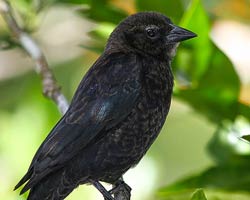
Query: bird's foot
[[121, 189]]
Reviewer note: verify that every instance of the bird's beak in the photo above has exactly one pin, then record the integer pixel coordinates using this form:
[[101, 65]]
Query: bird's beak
[[178, 34]]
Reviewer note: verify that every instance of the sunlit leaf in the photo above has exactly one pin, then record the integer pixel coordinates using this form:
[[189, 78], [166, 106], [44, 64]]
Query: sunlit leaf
[[206, 78], [28, 17], [200, 47], [103, 30], [193, 58], [216, 94]]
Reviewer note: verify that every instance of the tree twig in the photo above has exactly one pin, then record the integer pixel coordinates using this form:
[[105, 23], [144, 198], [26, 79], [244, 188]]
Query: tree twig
[[50, 86]]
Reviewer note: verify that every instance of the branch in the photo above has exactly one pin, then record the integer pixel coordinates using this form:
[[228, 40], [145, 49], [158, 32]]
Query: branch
[[50, 86]]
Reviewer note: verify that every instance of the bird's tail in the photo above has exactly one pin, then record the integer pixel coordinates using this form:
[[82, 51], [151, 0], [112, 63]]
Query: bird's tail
[[53, 187]]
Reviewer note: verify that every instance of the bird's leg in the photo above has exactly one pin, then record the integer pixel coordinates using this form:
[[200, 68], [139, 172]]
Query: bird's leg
[[121, 189], [105, 193]]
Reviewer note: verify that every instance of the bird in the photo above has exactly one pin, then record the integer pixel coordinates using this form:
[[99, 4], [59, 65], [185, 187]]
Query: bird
[[116, 113]]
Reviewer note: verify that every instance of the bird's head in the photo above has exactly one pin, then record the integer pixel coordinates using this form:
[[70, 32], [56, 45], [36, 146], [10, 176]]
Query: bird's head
[[149, 33]]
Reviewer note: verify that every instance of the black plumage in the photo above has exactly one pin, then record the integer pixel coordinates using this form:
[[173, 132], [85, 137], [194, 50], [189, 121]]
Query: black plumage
[[116, 113]]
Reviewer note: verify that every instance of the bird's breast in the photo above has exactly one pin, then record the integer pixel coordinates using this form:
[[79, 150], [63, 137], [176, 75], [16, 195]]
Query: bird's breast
[[125, 144], [138, 131]]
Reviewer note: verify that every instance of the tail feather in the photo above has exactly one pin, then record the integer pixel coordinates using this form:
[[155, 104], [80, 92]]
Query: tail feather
[[26, 177], [55, 186], [30, 179]]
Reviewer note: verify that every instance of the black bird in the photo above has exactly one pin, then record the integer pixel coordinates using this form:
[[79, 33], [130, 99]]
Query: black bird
[[116, 113]]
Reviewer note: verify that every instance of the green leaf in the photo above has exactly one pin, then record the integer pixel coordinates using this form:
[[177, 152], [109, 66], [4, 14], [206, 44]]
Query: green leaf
[[98, 10], [200, 48], [244, 110], [103, 11], [74, 1], [246, 137], [103, 30], [7, 42], [99, 37], [93, 48], [179, 195], [28, 11], [198, 195], [230, 178], [226, 146], [215, 95], [206, 78], [173, 9], [211, 194]]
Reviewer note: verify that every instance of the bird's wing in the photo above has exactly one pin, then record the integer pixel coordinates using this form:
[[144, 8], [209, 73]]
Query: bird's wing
[[104, 98]]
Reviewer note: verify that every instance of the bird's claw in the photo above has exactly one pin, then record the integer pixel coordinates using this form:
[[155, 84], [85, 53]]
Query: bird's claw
[[121, 187]]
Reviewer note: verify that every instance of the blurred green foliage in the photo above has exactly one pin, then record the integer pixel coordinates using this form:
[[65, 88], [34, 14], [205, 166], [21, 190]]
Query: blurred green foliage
[[205, 80], [198, 195]]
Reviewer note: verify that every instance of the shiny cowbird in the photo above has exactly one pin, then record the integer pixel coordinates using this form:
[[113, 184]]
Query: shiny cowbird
[[116, 113]]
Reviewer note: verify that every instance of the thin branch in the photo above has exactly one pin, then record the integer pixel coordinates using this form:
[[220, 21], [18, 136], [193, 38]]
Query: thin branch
[[50, 86]]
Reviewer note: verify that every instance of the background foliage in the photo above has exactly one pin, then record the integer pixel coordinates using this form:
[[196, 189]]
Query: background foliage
[[206, 113]]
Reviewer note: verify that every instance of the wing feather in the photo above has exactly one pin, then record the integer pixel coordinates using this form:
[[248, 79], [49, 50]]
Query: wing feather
[[104, 98]]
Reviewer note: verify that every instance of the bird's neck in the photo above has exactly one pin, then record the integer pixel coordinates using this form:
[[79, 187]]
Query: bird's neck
[[157, 73]]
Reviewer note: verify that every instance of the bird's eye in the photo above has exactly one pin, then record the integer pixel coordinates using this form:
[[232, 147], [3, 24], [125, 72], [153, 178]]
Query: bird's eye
[[152, 32]]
